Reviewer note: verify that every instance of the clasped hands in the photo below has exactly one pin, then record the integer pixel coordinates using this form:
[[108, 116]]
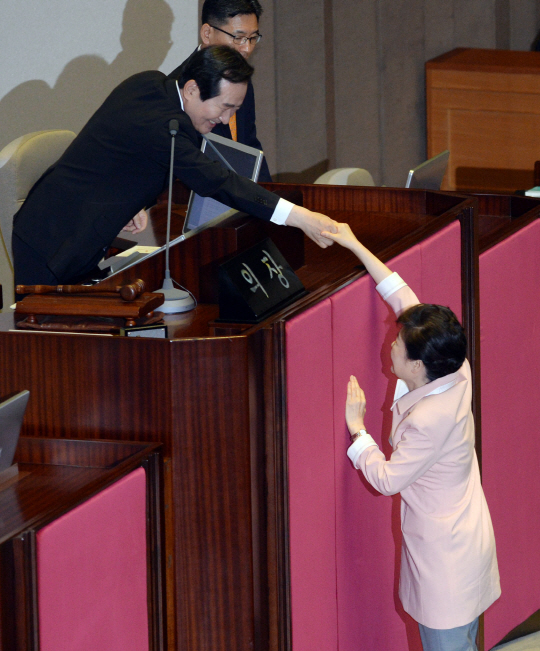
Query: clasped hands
[[313, 224], [323, 230]]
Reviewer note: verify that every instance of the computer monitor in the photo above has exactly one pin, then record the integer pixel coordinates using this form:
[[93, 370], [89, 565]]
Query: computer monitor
[[429, 175], [11, 418], [245, 161]]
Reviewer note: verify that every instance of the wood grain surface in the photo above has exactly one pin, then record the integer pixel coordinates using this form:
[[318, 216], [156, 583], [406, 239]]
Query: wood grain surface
[[483, 105], [218, 405]]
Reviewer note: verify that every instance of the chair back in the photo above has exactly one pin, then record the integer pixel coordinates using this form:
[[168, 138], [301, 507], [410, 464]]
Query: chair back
[[22, 163], [346, 176]]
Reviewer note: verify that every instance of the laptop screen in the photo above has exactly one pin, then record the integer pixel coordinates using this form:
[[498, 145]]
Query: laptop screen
[[11, 418], [245, 161], [429, 175]]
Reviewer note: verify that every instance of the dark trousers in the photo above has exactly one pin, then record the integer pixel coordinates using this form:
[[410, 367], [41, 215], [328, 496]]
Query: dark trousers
[[30, 268]]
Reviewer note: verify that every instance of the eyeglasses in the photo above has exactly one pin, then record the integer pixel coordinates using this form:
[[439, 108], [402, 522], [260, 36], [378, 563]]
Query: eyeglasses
[[240, 40]]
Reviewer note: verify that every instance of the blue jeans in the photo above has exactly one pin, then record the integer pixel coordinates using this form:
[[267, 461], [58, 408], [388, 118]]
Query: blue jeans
[[462, 638]]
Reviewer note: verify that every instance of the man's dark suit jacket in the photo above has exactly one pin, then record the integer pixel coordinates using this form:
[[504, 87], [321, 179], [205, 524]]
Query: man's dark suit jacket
[[246, 131], [117, 166]]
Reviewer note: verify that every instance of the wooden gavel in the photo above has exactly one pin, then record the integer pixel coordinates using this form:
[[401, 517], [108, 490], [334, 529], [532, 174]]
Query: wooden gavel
[[127, 292]]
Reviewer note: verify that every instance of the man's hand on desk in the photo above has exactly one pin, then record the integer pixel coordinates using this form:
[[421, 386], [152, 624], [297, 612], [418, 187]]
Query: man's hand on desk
[[138, 223], [312, 224]]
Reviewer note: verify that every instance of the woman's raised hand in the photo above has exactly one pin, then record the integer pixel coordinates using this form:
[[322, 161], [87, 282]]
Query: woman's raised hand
[[344, 236], [355, 408]]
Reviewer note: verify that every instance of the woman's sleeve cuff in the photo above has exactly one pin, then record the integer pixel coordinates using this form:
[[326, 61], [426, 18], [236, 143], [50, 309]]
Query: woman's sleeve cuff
[[362, 443], [389, 285]]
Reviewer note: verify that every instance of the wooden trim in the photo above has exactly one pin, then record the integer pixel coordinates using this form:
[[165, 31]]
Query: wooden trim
[[471, 309], [25, 591], [511, 227], [282, 489], [155, 545], [487, 60]]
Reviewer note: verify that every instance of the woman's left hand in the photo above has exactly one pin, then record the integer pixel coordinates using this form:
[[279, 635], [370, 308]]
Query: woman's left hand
[[355, 408]]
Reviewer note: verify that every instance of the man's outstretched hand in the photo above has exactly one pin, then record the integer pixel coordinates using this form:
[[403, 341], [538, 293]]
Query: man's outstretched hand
[[312, 224], [138, 223]]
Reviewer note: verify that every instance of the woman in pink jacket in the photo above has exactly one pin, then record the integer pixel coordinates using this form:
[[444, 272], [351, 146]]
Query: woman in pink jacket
[[449, 573]]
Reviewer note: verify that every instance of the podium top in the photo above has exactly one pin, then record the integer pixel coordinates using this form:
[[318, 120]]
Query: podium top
[[484, 60]]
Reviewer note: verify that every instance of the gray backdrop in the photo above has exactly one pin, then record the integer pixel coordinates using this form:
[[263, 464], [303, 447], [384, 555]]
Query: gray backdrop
[[340, 83], [61, 58]]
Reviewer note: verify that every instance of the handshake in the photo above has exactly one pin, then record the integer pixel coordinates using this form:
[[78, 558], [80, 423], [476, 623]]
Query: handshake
[[320, 228]]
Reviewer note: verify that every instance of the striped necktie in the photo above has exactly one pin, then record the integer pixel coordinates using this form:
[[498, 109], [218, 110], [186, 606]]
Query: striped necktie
[[232, 127]]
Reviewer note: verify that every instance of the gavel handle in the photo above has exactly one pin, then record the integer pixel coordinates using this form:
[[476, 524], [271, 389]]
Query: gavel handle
[[35, 289], [65, 289], [127, 292]]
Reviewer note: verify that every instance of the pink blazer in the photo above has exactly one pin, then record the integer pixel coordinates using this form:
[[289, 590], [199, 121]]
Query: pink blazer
[[449, 572]]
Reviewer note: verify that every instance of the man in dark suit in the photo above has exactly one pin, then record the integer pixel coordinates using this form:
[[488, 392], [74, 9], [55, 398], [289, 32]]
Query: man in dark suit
[[119, 163], [235, 23]]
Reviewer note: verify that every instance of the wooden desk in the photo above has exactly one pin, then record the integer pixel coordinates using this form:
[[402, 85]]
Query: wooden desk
[[218, 404], [484, 106], [59, 479]]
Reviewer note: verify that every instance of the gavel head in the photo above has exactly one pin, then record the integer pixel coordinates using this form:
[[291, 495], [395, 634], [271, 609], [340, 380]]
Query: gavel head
[[132, 291], [141, 286]]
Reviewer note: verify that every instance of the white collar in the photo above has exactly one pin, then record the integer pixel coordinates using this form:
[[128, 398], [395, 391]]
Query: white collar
[[180, 95], [402, 389]]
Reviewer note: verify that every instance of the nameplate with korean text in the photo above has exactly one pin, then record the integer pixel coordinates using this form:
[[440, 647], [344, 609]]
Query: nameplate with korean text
[[256, 283]]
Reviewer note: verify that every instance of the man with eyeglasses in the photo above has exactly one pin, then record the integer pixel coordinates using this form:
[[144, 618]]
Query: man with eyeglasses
[[234, 23]]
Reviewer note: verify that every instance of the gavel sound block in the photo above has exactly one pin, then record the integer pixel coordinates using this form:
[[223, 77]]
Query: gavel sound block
[[128, 302]]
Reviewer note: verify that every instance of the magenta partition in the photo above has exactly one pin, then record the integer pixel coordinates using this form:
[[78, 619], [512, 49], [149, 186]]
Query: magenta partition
[[91, 572], [345, 538], [311, 480], [510, 349]]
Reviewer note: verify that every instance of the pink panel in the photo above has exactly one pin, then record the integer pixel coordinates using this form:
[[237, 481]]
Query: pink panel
[[91, 568], [368, 537], [367, 524], [510, 317], [441, 269], [311, 480], [345, 539]]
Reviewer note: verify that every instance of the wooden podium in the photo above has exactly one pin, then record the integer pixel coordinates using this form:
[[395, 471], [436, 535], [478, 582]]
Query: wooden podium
[[62, 518], [484, 106], [216, 397]]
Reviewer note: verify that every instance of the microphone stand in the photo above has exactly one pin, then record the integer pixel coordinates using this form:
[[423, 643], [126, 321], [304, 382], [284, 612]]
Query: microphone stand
[[176, 300]]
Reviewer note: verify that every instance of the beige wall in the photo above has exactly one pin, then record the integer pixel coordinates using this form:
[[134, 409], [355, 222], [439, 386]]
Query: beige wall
[[61, 58], [342, 82]]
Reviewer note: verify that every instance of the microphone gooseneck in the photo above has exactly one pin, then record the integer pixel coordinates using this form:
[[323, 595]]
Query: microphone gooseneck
[[175, 299]]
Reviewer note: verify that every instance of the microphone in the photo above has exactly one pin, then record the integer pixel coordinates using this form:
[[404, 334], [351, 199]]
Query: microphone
[[176, 300]]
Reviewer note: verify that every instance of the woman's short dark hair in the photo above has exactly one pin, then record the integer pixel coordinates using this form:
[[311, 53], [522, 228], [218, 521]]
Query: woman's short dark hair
[[209, 65], [220, 12], [433, 334]]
